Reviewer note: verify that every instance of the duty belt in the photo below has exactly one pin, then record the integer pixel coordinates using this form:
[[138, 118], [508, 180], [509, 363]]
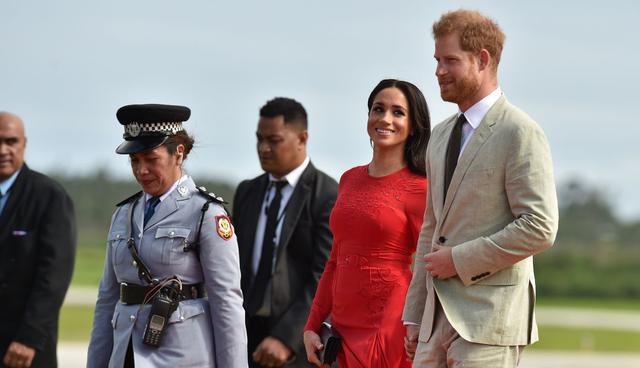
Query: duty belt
[[136, 294]]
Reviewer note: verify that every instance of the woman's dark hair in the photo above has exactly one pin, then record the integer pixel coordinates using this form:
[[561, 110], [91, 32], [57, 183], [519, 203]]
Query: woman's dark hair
[[181, 137], [416, 146]]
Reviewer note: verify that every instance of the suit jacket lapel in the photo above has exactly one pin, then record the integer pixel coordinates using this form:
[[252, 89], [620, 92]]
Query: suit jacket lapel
[[477, 140], [294, 208]]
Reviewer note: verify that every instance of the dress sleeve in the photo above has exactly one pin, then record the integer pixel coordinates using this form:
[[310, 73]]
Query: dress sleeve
[[415, 206], [322, 302]]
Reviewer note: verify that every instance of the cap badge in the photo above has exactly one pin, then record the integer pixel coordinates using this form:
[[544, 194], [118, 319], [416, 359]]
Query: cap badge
[[223, 226], [133, 129]]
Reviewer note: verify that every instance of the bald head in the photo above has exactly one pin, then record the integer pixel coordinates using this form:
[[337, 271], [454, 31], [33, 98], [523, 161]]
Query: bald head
[[12, 144]]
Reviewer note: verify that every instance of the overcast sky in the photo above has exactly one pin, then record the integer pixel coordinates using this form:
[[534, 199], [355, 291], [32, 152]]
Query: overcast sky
[[67, 66]]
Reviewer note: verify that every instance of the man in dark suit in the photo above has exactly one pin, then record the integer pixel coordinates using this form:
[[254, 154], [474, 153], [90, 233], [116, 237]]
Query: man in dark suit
[[37, 250], [282, 223]]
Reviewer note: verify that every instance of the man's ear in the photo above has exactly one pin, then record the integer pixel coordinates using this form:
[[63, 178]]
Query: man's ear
[[303, 136], [484, 59]]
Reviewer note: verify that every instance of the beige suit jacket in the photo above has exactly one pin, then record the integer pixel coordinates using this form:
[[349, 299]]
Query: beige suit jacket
[[500, 210]]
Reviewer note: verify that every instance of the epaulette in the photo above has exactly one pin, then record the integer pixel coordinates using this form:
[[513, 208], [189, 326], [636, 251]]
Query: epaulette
[[130, 199], [211, 196]]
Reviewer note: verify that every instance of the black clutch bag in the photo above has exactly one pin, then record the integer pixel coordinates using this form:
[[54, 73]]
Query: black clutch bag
[[332, 343]]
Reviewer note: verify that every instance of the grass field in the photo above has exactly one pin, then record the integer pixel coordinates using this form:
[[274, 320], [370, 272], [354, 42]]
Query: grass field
[[587, 339], [90, 259], [88, 267], [75, 326], [75, 321], [613, 304]]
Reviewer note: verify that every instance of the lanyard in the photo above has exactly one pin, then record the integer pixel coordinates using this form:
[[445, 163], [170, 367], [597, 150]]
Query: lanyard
[[143, 270]]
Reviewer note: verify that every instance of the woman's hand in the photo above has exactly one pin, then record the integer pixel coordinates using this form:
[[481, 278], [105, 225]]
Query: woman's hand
[[312, 344]]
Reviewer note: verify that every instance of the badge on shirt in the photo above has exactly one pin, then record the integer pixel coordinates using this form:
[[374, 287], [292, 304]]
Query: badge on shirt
[[183, 190], [223, 226]]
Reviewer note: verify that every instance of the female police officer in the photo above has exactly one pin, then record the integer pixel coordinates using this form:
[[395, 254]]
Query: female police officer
[[167, 245]]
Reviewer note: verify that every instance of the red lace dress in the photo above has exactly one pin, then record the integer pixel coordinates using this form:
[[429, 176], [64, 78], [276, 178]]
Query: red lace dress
[[375, 225]]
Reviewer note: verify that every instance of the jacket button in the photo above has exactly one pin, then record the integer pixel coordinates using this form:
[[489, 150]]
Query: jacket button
[[132, 318], [442, 239]]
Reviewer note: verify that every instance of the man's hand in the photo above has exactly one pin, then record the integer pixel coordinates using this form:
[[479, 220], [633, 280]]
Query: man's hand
[[440, 262], [271, 352], [19, 356], [411, 341]]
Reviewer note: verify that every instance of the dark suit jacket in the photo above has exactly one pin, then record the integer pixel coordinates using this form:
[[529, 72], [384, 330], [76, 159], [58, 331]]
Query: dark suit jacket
[[37, 250], [305, 244]]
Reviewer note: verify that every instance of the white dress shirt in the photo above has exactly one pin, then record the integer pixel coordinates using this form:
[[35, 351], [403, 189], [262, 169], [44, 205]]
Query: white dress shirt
[[292, 179], [475, 114]]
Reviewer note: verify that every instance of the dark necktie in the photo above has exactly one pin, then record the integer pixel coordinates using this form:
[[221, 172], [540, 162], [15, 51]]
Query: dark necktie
[[261, 279], [150, 208], [453, 151]]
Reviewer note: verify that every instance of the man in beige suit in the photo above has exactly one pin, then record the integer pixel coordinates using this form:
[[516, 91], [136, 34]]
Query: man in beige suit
[[491, 206]]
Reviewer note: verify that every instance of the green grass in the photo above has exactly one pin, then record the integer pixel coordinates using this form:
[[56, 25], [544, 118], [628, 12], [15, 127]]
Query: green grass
[[88, 267], [75, 323], [587, 339], [609, 304], [75, 326]]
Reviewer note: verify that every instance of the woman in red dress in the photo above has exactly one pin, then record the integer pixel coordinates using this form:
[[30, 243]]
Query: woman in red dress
[[375, 225]]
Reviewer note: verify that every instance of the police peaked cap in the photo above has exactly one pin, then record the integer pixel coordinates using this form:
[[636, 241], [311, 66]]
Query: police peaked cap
[[148, 126]]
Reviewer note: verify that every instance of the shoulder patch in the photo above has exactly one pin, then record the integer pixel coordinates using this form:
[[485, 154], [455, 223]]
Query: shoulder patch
[[130, 199], [223, 227], [211, 196]]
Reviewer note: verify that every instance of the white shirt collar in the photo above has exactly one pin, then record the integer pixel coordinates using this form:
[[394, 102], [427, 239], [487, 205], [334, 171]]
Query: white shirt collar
[[294, 176], [148, 196], [476, 113]]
